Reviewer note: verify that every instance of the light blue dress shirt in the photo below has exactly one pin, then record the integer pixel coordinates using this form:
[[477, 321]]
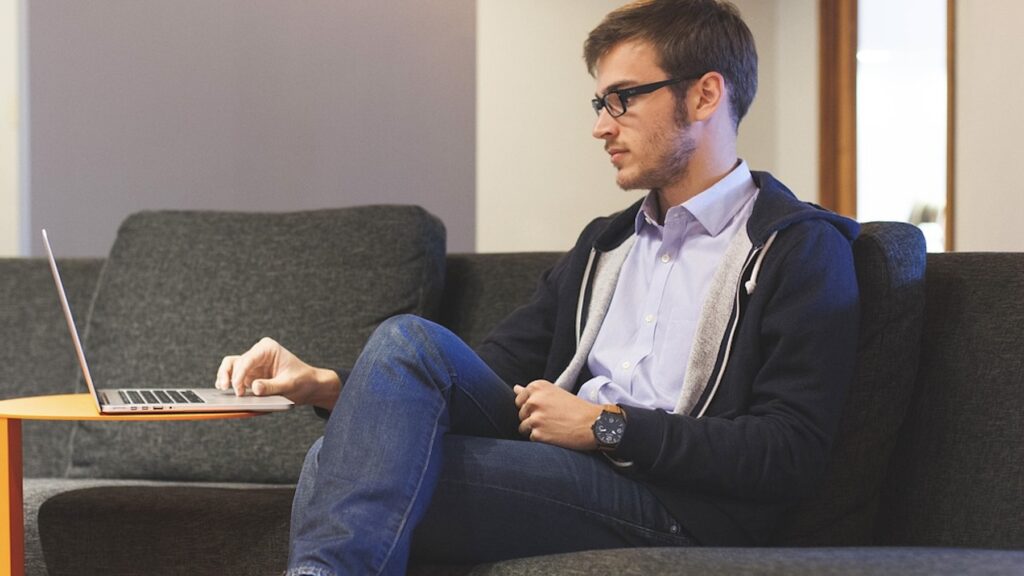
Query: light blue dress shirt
[[643, 347]]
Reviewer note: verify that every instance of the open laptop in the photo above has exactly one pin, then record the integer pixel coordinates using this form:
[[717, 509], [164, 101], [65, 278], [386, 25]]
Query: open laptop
[[158, 400]]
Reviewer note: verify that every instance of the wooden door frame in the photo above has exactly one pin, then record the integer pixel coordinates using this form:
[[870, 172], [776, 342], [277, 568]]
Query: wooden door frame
[[837, 73]]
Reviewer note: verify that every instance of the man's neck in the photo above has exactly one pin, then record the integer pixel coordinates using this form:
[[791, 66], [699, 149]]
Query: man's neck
[[698, 177]]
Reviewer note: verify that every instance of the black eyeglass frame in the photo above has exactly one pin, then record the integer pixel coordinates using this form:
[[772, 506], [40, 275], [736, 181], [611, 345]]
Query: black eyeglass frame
[[624, 94]]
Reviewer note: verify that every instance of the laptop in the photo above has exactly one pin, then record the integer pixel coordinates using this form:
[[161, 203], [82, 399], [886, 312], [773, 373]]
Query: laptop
[[142, 400]]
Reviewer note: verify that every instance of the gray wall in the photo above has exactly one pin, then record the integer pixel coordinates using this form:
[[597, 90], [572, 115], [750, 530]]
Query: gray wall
[[247, 105]]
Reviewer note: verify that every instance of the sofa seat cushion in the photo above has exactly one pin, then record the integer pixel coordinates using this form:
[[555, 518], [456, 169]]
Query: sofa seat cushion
[[125, 527], [751, 561], [180, 290]]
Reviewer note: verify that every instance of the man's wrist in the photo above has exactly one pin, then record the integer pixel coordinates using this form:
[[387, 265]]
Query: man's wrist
[[609, 427], [328, 388]]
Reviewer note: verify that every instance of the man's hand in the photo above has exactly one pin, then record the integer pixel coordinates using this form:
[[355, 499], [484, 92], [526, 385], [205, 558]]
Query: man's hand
[[551, 415], [268, 369]]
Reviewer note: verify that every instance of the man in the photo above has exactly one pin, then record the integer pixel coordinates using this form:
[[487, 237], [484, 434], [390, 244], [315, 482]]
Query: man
[[679, 374]]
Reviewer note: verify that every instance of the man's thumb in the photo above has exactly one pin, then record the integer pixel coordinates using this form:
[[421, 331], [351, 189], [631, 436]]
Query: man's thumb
[[265, 387]]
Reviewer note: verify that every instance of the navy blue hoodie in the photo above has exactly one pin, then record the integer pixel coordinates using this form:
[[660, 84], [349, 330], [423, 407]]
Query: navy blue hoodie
[[759, 436]]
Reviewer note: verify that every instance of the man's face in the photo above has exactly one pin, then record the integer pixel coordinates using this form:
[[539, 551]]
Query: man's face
[[649, 144]]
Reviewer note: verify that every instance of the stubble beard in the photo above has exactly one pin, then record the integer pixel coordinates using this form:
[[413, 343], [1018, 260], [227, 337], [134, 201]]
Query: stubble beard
[[677, 149]]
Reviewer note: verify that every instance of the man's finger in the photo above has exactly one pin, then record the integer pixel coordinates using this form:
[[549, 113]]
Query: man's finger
[[524, 412], [223, 381], [521, 395], [271, 387]]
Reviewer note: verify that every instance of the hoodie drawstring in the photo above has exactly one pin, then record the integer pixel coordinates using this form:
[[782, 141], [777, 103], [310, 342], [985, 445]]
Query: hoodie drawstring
[[751, 284]]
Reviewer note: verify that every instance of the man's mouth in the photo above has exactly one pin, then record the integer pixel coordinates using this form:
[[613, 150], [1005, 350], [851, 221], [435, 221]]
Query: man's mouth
[[617, 155]]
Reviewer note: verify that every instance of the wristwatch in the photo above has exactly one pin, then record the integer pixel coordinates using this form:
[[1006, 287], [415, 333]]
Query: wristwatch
[[609, 427]]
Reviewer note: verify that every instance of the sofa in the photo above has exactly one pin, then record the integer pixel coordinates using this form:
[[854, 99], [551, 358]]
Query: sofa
[[926, 474]]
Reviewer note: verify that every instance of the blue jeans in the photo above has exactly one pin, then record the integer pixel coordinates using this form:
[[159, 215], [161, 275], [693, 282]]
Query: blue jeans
[[422, 457]]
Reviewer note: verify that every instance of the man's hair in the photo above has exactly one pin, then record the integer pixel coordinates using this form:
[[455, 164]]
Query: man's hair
[[691, 38]]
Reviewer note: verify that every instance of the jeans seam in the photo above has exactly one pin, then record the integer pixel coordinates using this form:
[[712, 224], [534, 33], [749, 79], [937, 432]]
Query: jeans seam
[[412, 501], [607, 517]]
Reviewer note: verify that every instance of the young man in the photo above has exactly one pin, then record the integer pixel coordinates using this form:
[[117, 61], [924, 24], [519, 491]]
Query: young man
[[678, 375]]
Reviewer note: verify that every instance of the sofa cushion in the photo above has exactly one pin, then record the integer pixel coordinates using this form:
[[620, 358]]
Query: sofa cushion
[[480, 290], [749, 562], [156, 528], [890, 262], [36, 356], [180, 290], [958, 470]]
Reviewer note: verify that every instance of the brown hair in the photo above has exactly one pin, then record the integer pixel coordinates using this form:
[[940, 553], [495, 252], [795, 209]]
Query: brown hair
[[691, 38]]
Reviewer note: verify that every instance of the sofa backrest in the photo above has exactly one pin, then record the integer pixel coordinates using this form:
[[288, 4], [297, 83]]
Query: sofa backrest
[[958, 472], [180, 290], [890, 262], [36, 357], [480, 290]]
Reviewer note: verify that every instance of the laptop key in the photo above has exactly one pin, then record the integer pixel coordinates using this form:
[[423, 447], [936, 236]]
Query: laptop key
[[150, 397], [136, 397], [162, 396], [176, 397], [192, 397], [124, 397]]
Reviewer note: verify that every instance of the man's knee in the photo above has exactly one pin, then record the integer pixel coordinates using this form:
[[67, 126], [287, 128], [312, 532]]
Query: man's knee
[[404, 328]]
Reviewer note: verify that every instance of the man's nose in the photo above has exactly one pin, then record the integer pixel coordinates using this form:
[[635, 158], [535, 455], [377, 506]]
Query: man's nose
[[605, 126]]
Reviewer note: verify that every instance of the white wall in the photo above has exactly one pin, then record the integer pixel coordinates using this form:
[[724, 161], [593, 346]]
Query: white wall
[[9, 205], [247, 105], [541, 176], [989, 203]]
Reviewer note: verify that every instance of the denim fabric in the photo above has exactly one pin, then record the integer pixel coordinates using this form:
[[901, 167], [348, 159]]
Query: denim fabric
[[425, 434]]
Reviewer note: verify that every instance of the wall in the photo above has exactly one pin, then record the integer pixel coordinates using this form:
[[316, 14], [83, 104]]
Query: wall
[[541, 176], [989, 124], [9, 205], [240, 105]]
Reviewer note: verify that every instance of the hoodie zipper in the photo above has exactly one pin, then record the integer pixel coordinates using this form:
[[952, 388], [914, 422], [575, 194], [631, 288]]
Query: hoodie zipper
[[757, 257]]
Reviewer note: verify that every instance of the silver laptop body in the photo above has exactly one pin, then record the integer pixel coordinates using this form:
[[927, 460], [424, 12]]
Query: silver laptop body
[[158, 400]]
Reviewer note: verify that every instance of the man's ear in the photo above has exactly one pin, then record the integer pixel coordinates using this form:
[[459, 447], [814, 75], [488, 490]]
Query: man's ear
[[707, 95]]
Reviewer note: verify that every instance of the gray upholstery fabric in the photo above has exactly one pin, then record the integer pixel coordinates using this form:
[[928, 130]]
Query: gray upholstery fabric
[[36, 356], [182, 289], [890, 261], [958, 477], [955, 478], [150, 527], [753, 561], [482, 289]]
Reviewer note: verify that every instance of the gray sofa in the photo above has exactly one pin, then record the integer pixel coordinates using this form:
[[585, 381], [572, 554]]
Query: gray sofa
[[927, 474]]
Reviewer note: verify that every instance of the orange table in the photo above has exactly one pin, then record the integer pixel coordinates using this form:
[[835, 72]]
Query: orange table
[[62, 407]]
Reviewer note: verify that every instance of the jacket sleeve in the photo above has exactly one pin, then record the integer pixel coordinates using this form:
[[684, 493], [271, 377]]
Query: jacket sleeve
[[773, 443]]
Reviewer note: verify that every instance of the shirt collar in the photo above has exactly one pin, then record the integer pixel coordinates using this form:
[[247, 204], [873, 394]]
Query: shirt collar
[[713, 208]]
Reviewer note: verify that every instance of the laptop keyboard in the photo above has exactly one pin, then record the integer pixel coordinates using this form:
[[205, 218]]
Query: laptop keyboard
[[143, 397]]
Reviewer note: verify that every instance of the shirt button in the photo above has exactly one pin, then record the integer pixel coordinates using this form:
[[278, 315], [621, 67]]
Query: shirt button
[[649, 318], [593, 395], [665, 258], [626, 364], [674, 529]]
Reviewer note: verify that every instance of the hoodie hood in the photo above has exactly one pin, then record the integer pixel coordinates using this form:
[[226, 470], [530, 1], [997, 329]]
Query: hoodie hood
[[777, 208]]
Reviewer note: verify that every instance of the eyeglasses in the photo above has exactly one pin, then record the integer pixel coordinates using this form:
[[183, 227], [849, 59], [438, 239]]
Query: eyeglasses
[[615, 100]]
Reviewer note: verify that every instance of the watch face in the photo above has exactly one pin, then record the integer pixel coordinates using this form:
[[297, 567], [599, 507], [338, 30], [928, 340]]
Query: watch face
[[608, 429]]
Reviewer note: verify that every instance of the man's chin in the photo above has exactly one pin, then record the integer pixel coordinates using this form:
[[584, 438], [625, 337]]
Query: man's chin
[[628, 183]]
